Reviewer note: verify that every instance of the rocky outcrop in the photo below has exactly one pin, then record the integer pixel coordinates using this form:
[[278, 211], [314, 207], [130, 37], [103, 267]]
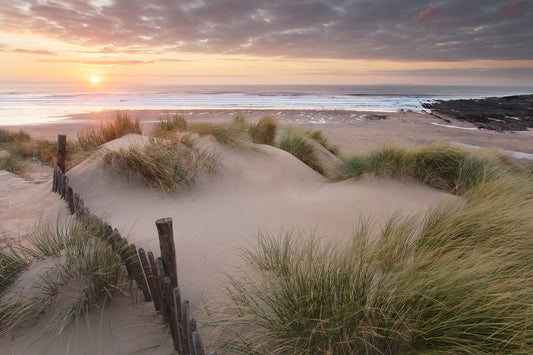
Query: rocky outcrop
[[509, 113]]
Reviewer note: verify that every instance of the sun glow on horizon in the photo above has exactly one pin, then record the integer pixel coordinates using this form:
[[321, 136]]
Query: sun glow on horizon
[[95, 79]]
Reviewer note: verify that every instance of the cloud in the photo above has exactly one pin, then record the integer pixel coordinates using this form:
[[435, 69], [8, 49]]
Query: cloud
[[430, 15], [110, 61], [513, 7], [34, 51], [344, 29]]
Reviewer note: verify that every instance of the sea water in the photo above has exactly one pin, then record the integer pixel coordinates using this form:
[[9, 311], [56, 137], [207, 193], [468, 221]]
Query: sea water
[[33, 103]]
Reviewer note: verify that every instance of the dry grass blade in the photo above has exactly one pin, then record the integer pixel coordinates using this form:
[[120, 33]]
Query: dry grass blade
[[264, 131], [169, 125], [83, 268], [122, 124], [167, 165], [458, 280], [297, 145]]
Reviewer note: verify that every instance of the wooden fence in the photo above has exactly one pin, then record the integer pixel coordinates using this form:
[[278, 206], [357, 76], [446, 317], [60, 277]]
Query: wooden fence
[[156, 277]]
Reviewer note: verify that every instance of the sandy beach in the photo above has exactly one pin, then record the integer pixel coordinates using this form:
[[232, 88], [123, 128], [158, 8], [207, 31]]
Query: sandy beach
[[353, 131], [260, 190]]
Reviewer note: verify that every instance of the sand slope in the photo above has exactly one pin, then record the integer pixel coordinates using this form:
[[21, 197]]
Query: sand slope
[[259, 189], [24, 203]]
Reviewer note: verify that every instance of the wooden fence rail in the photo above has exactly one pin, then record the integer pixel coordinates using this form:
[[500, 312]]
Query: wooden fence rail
[[156, 277]]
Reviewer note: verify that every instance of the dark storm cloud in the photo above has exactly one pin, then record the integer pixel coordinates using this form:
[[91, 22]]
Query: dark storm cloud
[[513, 7], [430, 15], [347, 29]]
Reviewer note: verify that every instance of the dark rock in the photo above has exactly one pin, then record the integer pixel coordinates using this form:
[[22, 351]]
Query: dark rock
[[509, 113], [376, 117]]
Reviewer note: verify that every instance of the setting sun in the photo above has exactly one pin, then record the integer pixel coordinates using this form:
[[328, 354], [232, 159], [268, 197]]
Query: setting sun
[[95, 79]]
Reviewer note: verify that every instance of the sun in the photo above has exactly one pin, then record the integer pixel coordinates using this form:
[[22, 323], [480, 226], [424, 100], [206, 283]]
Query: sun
[[95, 79]]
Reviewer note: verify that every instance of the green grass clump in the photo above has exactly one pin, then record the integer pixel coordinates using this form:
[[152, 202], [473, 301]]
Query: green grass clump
[[321, 139], [98, 268], [169, 124], [12, 263], [7, 137], [450, 168], [13, 164], [84, 266], [22, 146], [122, 124], [46, 241], [298, 145], [166, 164], [457, 280], [388, 161], [233, 133], [438, 165], [264, 131]]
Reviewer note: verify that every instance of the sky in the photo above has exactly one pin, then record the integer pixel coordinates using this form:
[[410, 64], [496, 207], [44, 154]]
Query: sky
[[466, 42]]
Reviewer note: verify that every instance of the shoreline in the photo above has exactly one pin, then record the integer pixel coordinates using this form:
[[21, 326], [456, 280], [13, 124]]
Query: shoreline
[[353, 131]]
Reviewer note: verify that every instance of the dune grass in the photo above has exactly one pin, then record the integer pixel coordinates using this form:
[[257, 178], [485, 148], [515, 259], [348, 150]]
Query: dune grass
[[12, 263], [14, 164], [321, 139], [455, 280], [91, 138], [84, 269], [169, 124], [226, 133], [264, 131], [23, 146], [298, 145], [165, 164], [20, 148], [450, 168], [231, 133]]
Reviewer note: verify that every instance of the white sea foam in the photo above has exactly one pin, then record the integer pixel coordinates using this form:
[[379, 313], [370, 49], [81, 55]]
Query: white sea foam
[[452, 126], [27, 104]]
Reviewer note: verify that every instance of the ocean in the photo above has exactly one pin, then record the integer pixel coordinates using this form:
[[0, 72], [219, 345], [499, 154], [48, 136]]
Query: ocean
[[34, 103]]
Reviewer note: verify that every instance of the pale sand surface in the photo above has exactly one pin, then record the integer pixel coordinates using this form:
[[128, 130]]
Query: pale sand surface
[[255, 190], [351, 130]]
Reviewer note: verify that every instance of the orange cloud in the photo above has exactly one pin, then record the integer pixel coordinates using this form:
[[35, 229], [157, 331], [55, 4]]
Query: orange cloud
[[513, 7], [428, 16]]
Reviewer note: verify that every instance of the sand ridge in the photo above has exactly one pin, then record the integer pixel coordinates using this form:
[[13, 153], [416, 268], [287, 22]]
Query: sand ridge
[[259, 189]]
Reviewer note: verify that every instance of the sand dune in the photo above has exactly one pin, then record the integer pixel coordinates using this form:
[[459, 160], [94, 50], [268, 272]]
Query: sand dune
[[257, 189]]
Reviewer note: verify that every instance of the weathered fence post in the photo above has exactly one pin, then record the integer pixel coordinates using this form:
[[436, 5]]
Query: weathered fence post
[[124, 254], [186, 333], [138, 272], [161, 275], [70, 200], [77, 205], [168, 251], [177, 300], [173, 321], [152, 281], [64, 187], [54, 179], [61, 151], [59, 181], [197, 344]]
